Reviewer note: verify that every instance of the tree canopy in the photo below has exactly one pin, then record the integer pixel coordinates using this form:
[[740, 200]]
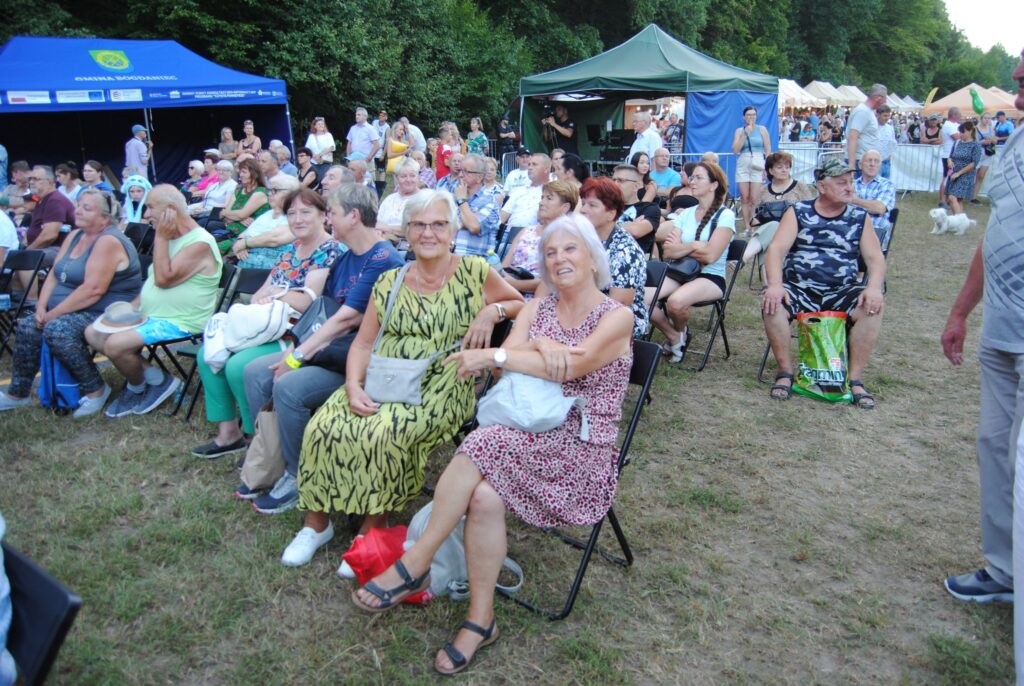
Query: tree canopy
[[453, 59]]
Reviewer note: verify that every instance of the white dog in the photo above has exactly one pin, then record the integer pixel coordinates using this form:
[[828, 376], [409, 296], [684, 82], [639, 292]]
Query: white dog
[[945, 223]]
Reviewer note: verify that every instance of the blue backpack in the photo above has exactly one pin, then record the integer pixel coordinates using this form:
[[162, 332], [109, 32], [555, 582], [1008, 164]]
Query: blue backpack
[[58, 390]]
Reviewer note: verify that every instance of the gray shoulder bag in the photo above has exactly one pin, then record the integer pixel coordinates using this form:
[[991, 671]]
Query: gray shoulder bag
[[393, 379]]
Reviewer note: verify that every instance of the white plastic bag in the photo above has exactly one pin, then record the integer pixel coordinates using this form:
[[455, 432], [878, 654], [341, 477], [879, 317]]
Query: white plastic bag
[[215, 352]]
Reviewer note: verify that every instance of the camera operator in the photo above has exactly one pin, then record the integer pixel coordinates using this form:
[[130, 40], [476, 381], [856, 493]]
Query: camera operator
[[559, 130]]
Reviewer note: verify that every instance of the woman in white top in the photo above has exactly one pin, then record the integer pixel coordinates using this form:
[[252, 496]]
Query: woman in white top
[[389, 215], [752, 143], [703, 232], [320, 141], [67, 176], [263, 242], [218, 193]]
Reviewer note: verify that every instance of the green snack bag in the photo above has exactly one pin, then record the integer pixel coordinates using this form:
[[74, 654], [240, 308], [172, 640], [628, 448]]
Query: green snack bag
[[822, 372]]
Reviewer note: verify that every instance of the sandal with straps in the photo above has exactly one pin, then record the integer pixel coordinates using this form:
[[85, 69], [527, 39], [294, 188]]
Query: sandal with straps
[[787, 390], [865, 400], [393, 596], [460, 661]]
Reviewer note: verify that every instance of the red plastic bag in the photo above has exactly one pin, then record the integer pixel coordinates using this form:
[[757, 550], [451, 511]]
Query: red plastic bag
[[372, 554]]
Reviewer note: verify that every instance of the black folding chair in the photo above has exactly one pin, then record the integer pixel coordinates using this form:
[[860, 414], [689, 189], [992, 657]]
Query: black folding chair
[[656, 272], [645, 361], [16, 261], [141, 236], [247, 282], [43, 612], [734, 262], [504, 242], [227, 275]]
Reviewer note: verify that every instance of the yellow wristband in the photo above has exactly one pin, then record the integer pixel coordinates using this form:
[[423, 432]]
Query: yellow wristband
[[292, 362]]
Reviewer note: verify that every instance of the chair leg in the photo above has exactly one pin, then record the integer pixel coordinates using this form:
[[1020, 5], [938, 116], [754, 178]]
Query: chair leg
[[764, 363], [184, 389], [192, 402], [718, 314]]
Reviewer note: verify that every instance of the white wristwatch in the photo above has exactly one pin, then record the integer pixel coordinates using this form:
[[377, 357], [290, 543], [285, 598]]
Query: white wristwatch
[[500, 357]]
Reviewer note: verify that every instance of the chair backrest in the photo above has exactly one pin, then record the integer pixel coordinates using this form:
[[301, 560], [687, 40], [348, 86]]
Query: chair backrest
[[43, 611], [894, 215], [656, 272], [227, 279], [646, 356], [734, 256], [249, 281], [20, 261], [141, 236], [145, 262]]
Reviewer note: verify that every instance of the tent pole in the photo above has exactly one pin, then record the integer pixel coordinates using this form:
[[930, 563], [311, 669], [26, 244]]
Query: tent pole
[[146, 116], [522, 109]]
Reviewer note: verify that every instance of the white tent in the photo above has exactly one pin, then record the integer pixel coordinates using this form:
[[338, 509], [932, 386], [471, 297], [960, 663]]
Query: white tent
[[911, 104], [792, 95], [894, 103], [852, 96], [825, 90]]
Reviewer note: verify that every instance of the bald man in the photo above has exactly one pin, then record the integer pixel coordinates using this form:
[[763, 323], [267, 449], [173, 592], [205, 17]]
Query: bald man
[[875, 193], [177, 298]]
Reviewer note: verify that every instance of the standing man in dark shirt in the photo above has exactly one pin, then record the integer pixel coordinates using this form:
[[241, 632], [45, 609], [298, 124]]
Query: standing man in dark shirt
[[506, 136], [53, 216], [560, 131]]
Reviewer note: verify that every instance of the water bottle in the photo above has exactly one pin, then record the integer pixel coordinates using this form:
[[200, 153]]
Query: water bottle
[[492, 259]]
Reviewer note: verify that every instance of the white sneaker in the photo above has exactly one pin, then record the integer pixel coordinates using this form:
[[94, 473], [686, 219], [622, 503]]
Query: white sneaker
[[345, 571], [87, 406], [300, 551], [9, 403]]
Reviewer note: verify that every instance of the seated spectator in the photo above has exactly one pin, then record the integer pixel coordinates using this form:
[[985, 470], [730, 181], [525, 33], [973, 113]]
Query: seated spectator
[[14, 193], [572, 169], [297, 379], [69, 180], [52, 217], [875, 194], [575, 336], [269, 165], [478, 210], [521, 207], [640, 218], [665, 177], [190, 185], [450, 181], [248, 202], [359, 168], [8, 669], [217, 195], [781, 187], [520, 176], [703, 232], [558, 199], [648, 188], [210, 160], [284, 161], [300, 273], [427, 179], [821, 242], [307, 174], [9, 239], [491, 185], [389, 216], [95, 267], [367, 458], [334, 177], [264, 241], [176, 300], [135, 189], [602, 203]]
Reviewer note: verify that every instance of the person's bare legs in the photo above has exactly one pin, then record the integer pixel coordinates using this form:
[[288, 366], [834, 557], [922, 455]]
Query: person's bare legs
[[747, 191], [486, 547], [776, 326], [753, 249], [658, 317], [955, 207], [978, 180], [317, 521], [863, 335], [451, 500], [124, 350], [678, 304]]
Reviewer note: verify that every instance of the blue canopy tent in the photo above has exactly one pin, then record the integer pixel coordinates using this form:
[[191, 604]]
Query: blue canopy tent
[[77, 99]]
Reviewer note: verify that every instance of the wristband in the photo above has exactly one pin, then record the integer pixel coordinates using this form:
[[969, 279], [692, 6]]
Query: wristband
[[292, 362]]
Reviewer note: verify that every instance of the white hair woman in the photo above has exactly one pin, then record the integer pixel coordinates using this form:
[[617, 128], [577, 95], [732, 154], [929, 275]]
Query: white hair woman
[[263, 242], [407, 182], [578, 337]]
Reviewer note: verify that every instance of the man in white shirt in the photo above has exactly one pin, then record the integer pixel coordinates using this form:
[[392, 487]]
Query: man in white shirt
[[362, 137], [887, 136], [862, 132], [519, 178], [522, 205], [416, 139], [269, 166], [950, 134], [647, 138]]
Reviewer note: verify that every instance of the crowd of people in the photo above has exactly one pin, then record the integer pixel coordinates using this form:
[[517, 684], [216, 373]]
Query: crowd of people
[[415, 277]]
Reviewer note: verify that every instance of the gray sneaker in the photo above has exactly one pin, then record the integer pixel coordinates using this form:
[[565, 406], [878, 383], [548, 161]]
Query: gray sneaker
[[154, 395], [9, 403], [87, 406], [283, 496], [123, 404]]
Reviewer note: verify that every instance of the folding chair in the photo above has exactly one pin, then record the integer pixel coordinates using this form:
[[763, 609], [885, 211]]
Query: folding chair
[[656, 272], [16, 261], [734, 260], [645, 361], [43, 612], [247, 283], [141, 236], [227, 275], [506, 240]]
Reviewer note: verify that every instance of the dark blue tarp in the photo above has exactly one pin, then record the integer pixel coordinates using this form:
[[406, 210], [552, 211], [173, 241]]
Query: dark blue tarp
[[65, 74], [712, 120]]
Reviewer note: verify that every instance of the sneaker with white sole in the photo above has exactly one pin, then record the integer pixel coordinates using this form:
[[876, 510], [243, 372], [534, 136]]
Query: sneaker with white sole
[[153, 396], [283, 496], [978, 587], [124, 404], [87, 406], [300, 551], [243, 492], [10, 403]]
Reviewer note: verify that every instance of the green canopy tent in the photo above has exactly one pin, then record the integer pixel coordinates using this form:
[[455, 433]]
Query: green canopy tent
[[651, 64]]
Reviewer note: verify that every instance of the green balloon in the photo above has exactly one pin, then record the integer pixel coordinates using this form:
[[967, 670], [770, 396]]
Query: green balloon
[[979, 106]]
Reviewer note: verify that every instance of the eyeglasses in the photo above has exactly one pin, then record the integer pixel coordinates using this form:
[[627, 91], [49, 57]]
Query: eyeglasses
[[470, 171], [35, 178], [622, 180], [435, 227], [698, 178]]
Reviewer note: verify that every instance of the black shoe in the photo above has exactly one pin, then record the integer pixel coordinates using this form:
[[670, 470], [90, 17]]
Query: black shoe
[[211, 451]]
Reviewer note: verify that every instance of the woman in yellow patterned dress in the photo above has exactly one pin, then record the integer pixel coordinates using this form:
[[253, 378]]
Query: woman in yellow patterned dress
[[367, 458]]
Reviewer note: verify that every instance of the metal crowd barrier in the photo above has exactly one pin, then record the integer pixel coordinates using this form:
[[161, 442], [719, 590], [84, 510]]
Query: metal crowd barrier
[[914, 167]]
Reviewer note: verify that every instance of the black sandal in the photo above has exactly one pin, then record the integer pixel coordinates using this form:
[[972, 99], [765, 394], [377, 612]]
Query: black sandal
[[865, 400], [393, 596], [459, 661], [788, 389]]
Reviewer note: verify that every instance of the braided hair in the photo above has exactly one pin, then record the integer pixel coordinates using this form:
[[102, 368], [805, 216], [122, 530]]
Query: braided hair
[[716, 175]]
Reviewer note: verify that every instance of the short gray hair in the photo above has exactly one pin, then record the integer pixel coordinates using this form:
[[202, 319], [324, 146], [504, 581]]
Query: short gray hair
[[355, 196], [47, 171], [878, 89], [477, 160], [644, 115], [362, 110], [284, 182], [224, 165], [424, 199], [578, 226], [108, 204], [407, 164]]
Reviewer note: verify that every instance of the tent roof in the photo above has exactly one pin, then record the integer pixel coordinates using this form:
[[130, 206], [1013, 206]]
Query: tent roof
[[792, 95], [910, 103], [895, 102], [852, 96], [962, 99], [64, 74], [1003, 94], [824, 89], [653, 62]]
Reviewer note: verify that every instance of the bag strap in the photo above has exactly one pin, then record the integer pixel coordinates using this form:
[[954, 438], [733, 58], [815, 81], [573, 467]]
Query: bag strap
[[392, 296], [713, 224]]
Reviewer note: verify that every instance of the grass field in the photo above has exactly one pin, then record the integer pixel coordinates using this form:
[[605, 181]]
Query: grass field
[[776, 543]]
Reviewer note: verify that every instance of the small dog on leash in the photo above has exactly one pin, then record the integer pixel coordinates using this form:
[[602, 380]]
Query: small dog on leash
[[946, 223]]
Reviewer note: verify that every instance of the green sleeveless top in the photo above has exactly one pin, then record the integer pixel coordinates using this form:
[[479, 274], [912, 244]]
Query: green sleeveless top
[[191, 302]]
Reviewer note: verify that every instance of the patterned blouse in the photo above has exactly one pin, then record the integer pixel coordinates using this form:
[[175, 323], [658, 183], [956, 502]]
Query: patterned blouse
[[629, 270], [291, 270]]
